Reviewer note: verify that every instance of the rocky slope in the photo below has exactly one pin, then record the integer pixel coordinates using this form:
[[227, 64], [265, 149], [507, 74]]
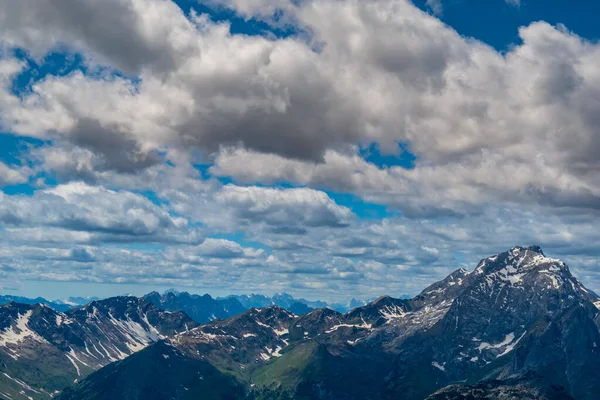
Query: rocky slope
[[512, 389], [519, 315], [43, 351]]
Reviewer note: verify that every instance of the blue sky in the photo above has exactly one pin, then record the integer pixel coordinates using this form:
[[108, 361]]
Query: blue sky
[[327, 149]]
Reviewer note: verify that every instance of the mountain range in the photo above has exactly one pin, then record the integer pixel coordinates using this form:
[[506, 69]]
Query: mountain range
[[519, 325], [297, 306], [58, 305], [202, 308]]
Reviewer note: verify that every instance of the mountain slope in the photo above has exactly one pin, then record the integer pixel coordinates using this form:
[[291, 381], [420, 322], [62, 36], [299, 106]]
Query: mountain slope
[[43, 351], [188, 378], [518, 314]]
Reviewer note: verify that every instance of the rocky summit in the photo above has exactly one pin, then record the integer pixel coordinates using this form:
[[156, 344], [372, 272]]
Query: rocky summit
[[520, 325]]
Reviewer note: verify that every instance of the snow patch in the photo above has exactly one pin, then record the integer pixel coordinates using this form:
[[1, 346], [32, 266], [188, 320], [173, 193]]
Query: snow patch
[[364, 325], [20, 331], [438, 366], [511, 346], [392, 312], [281, 332]]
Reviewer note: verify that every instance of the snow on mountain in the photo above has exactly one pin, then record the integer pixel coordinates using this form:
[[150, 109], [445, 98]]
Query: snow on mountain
[[62, 347], [519, 319]]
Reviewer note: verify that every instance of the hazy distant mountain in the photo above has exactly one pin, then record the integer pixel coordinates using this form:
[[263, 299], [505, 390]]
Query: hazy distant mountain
[[201, 309], [299, 308], [58, 305], [42, 350], [518, 326], [286, 301], [74, 302]]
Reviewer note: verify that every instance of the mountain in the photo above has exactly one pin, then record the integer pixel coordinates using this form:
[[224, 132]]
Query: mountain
[[288, 301], [74, 302], [299, 309], [282, 300], [201, 309], [214, 360], [518, 326], [56, 305], [43, 351]]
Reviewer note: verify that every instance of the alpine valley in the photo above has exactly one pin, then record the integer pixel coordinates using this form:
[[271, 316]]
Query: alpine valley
[[519, 326]]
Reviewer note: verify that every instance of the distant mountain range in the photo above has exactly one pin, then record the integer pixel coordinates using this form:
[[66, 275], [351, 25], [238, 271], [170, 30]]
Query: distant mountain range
[[203, 308], [518, 326], [58, 305], [292, 304]]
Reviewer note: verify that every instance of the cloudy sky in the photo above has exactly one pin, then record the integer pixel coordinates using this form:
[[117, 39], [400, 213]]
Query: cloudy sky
[[327, 148]]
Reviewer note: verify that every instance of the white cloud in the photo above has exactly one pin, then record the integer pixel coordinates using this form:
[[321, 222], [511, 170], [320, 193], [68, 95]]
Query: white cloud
[[12, 176], [386, 72], [222, 248], [106, 213], [284, 208], [436, 6], [509, 139]]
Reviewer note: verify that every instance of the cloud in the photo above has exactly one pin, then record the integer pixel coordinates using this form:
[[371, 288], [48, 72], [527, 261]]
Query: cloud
[[284, 208], [131, 35], [222, 248], [506, 145], [81, 254], [436, 6], [12, 176], [516, 127], [93, 210]]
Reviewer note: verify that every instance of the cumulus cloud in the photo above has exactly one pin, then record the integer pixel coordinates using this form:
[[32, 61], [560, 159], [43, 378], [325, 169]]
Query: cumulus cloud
[[131, 35], [80, 207], [508, 139], [284, 208], [220, 248], [382, 72], [12, 176]]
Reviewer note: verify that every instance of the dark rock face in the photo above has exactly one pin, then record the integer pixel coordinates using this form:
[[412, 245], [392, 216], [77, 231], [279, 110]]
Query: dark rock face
[[515, 389], [43, 351], [518, 326]]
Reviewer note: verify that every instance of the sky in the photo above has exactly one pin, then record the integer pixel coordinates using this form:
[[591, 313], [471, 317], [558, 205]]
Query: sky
[[326, 148]]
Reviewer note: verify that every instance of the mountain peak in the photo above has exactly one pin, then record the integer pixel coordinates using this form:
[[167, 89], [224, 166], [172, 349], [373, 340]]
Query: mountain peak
[[518, 259], [534, 248], [528, 267]]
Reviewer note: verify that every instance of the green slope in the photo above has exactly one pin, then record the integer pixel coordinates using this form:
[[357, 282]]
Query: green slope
[[156, 373]]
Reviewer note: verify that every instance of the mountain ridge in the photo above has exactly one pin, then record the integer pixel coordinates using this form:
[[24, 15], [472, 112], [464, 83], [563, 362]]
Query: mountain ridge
[[517, 313], [43, 350]]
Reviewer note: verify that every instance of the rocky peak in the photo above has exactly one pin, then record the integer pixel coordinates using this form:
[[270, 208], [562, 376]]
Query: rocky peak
[[518, 257], [528, 267]]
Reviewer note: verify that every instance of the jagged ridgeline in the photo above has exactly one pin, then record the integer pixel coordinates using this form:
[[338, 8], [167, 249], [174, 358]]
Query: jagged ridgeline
[[518, 326]]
